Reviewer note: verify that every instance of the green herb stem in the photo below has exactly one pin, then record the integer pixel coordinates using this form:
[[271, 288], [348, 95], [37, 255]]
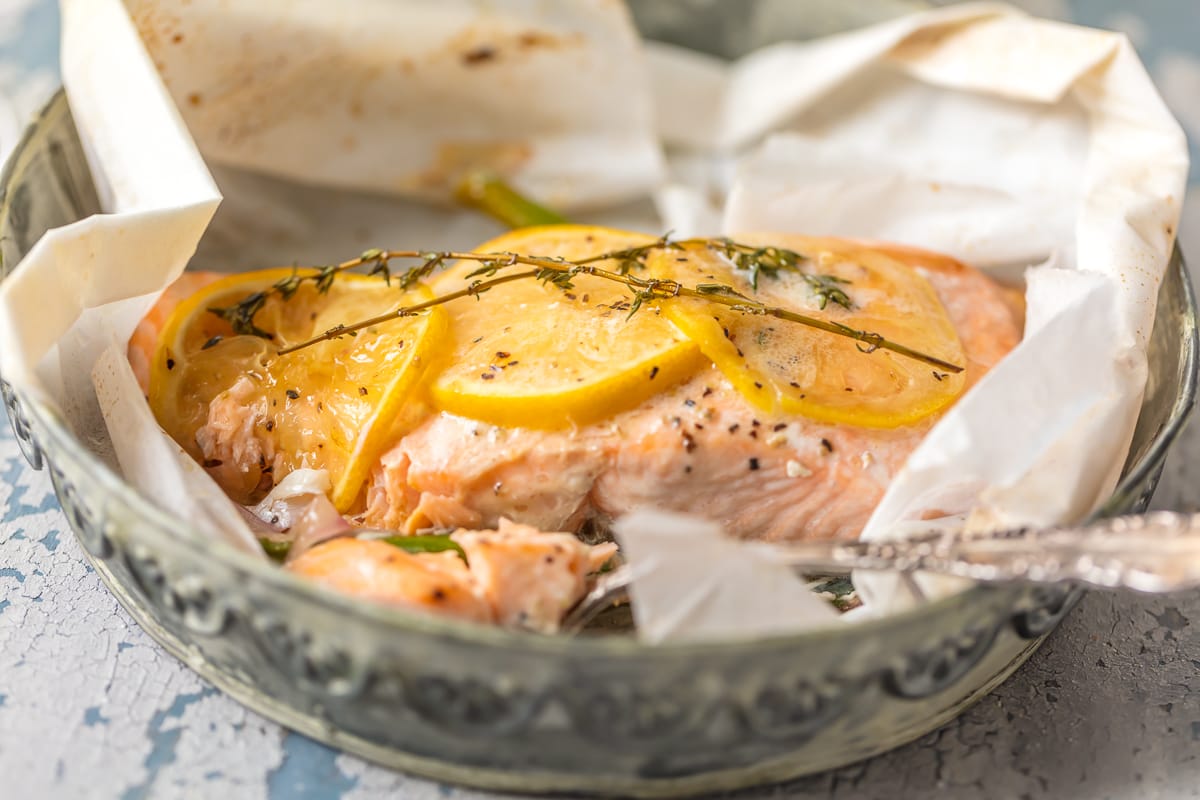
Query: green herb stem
[[278, 549], [491, 194], [433, 543], [560, 272]]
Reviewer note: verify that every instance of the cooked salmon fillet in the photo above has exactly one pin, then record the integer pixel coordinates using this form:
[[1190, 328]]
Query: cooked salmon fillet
[[699, 448]]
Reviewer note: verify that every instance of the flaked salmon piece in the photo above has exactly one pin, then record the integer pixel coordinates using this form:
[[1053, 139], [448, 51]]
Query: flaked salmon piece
[[530, 578], [515, 576], [439, 511], [541, 478], [438, 583], [699, 448], [236, 457]]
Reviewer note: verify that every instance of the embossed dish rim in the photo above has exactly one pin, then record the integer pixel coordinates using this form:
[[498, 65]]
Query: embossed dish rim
[[161, 522]]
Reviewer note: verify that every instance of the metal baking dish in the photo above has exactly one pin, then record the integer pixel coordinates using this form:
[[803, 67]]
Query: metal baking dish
[[503, 710]]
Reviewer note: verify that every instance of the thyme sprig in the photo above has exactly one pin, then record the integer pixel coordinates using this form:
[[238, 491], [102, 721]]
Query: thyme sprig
[[560, 273], [827, 289]]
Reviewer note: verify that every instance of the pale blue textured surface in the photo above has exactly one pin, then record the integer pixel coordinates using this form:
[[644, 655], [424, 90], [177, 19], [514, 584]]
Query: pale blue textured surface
[[90, 707]]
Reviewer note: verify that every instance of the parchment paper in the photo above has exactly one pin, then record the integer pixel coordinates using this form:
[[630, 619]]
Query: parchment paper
[[1022, 146]]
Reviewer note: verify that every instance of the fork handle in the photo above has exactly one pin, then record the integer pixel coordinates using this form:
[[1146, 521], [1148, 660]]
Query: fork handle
[[1157, 552]]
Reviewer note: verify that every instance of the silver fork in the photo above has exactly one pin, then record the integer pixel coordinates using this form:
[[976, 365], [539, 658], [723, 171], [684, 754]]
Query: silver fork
[[1155, 553]]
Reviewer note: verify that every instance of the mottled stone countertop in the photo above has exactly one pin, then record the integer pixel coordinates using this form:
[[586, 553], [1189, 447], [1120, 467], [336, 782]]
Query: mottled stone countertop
[[90, 707]]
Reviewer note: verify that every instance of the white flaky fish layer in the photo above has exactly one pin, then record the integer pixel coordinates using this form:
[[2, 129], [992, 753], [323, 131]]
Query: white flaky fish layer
[[1018, 145]]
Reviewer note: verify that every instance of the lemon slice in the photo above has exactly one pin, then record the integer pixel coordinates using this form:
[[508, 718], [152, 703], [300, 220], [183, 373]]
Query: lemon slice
[[526, 354], [331, 406], [782, 366]]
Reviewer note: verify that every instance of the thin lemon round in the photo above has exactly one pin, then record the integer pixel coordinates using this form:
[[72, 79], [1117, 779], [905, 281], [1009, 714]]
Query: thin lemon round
[[331, 406], [783, 366], [529, 354]]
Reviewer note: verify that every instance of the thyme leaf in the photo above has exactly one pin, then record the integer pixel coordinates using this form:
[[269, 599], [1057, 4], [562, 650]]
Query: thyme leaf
[[555, 277], [325, 276], [286, 287], [827, 289], [240, 316], [720, 288]]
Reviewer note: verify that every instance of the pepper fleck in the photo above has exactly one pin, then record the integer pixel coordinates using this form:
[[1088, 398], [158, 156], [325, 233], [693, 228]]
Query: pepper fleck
[[689, 443], [753, 464], [653, 372], [500, 355], [780, 426], [734, 427], [170, 363], [209, 463], [362, 390], [757, 385], [293, 394], [216, 340], [270, 426], [487, 376], [690, 403], [827, 445], [707, 391]]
